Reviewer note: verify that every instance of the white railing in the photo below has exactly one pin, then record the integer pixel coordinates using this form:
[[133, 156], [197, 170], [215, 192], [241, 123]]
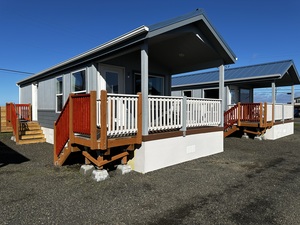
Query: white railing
[[165, 113], [269, 112], [203, 112], [121, 114], [281, 111]]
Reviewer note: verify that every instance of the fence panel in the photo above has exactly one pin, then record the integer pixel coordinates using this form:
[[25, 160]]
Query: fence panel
[[203, 112], [165, 113], [122, 114]]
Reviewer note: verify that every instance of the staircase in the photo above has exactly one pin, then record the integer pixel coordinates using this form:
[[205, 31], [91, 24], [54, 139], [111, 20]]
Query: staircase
[[30, 132]]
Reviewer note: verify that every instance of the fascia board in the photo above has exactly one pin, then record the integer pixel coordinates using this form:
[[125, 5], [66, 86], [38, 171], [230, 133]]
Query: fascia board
[[124, 37], [230, 80]]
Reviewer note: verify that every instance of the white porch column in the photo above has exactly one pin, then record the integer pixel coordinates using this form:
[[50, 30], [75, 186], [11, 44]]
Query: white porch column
[[221, 92], [144, 88], [273, 93], [292, 94]]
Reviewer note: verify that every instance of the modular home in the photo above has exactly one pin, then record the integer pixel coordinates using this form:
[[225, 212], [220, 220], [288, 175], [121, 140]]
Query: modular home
[[239, 85], [114, 102]]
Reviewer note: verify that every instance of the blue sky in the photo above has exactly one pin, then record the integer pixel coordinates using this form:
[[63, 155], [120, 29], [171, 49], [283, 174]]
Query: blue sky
[[36, 35]]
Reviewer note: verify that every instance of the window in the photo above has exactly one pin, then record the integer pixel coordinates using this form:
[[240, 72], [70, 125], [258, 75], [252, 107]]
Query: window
[[59, 94], [156, 84], [244, 95], [78, 82], [112, 82], [187, 93]]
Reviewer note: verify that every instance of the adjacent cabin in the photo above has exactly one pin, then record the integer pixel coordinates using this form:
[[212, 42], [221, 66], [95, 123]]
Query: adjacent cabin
[[239, 85], [114, 102]]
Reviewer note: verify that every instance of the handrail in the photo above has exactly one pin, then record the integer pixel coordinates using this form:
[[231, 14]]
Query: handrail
[[61, 129], [231, 116], [15, 113]]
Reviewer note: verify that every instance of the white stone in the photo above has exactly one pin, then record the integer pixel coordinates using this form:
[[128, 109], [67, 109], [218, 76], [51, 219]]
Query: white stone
[[124, 169], [258, 138], [100, 175], [86, 169], [245, 136]]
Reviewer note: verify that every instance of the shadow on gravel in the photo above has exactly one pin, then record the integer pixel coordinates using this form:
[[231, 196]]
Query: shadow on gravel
[[10, 156]]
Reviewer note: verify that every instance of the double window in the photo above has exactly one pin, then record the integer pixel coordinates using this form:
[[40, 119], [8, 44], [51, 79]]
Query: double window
[[59, 94], [78, 82]]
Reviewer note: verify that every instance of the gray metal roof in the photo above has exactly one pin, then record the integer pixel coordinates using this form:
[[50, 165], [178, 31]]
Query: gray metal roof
[[284, 73]]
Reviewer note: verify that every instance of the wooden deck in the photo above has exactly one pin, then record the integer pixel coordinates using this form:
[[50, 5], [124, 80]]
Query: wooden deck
[[77, 129], [253, 118]]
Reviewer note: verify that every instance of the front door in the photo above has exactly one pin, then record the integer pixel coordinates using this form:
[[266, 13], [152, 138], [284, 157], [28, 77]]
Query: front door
[[111, 79]]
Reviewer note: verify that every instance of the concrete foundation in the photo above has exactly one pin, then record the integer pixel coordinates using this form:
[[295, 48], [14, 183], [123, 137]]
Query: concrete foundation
[[87, 170], [100, 175], [123, 169], [157, 154], [279, 131]]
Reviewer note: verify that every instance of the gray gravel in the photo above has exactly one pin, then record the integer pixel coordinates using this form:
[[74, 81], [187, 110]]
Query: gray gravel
[[251, 182]]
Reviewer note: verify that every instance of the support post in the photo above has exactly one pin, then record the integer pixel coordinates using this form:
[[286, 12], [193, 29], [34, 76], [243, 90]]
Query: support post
[[293, 97], [139, 119], [183, 129], [221, 92], [93, 119], [103, 129], [71, 133], [144, 88]]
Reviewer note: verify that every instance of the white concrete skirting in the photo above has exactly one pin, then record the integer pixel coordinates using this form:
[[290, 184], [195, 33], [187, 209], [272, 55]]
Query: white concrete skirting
[[279, 131], [49, 135], [157, 154]]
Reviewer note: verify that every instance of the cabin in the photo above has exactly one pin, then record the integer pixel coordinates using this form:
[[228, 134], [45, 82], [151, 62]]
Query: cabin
[[113, 103], [270, 120]]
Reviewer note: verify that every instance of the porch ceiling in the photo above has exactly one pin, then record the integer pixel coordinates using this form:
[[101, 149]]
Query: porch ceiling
[[183, 52]]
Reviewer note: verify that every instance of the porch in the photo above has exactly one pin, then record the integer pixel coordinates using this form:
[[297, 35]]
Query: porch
[[110, 128], [260, 119], [18, 120]]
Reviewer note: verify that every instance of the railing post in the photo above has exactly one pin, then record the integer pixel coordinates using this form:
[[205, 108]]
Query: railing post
[[93, 122], [239, 114], [260, 114], [71, 133], [282, 113], [273, 113], [184, 105], [55, 157], [17, 130], [103, 119], [265, 114], [30, 112], [139, 118]]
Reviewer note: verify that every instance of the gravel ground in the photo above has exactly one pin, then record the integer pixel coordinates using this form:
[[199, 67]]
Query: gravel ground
[[251, 182]]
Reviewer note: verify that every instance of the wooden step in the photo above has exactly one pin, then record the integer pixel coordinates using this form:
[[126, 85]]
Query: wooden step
[[29, 126], [32, 141], [31, 136], [230, 130], [30, 132]]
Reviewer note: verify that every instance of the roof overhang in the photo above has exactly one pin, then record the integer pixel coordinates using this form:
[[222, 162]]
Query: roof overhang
[[184, 44]]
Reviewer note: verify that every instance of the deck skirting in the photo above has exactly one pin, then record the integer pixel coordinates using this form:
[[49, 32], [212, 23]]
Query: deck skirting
[[157, 154]]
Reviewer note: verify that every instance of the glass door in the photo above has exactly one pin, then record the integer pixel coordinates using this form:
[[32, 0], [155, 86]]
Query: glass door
[[111, 79]]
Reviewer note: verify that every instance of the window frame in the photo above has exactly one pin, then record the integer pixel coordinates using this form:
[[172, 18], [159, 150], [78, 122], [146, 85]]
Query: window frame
[[85, 82], [59, 94], [149, 76]]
